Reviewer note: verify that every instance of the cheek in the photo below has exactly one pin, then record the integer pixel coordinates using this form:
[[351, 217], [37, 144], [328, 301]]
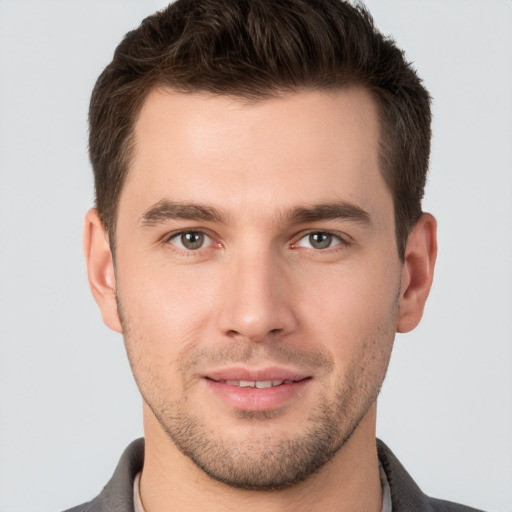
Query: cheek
[[164, 315], [352, 311], [172, 303], [352, 294]]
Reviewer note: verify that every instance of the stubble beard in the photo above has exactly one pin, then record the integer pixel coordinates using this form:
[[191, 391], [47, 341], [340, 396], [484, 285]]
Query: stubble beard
[[259, 462], [262, 461]]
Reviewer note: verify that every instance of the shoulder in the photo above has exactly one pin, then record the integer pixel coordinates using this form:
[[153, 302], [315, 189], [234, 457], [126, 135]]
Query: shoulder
[[448, 506], [118, 493], [406, 496], [86, 507]]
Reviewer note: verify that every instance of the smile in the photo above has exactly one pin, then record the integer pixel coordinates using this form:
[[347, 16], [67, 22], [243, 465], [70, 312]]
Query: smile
[[260, 384], [259, 393]]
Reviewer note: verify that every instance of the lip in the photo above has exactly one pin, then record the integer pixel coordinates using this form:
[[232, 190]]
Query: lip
[[240, 373], [257, 399]]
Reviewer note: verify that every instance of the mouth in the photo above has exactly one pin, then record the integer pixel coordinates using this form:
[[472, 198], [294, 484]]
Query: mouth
[[257, 391], [259, 384]]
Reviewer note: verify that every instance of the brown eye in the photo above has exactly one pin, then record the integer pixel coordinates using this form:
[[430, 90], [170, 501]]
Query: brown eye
[[190, 240]]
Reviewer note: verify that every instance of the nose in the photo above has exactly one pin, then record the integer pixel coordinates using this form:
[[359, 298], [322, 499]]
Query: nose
[[257, 298]]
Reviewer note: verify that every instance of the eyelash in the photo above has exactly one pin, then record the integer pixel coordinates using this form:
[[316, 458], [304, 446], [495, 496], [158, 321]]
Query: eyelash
[[342, 243]]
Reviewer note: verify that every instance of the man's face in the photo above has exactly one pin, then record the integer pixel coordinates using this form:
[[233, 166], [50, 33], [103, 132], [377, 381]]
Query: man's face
[[257, 277]]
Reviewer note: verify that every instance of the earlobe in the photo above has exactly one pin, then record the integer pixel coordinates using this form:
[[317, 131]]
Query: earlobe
[[100, 268], [417, 272]]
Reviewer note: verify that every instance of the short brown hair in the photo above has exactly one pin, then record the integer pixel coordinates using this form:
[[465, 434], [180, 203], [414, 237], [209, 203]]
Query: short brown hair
[[256, 49]]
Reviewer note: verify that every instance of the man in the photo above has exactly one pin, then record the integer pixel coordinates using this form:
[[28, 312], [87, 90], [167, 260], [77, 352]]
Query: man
[[258, 239]]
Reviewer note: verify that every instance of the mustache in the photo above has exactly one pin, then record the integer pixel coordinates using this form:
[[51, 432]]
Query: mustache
[[251, 353]]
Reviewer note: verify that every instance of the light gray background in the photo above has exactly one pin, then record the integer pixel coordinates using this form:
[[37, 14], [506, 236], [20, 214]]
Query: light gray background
[[68, 405]]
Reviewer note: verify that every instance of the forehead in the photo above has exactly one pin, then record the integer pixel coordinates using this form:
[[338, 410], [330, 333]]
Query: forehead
[[310, 146]]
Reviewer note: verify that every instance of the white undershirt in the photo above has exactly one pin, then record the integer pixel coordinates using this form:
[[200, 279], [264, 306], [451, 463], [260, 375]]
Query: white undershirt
[[137, 503], [386, 491]]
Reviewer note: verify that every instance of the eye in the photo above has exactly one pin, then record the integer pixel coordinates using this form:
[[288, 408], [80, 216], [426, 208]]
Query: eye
[[319, 240], [190, 240]]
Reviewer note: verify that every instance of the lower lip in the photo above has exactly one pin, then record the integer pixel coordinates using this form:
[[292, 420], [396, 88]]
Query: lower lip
[[254, 399]]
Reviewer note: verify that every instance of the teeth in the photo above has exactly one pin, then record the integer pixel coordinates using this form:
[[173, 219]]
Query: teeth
[[260, 384]]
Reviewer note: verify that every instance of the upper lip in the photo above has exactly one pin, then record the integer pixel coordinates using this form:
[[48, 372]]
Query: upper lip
[[252, 374]]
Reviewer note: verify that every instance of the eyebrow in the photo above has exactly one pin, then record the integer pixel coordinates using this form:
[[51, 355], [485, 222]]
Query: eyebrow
[[165, 210], [330, 211]]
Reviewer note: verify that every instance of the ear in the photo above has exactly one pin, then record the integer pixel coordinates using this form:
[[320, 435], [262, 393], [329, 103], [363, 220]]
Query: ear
[[417, 272], [100, 269]]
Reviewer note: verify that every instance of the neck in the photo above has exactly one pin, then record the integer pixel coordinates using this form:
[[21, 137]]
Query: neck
[[349, 482]]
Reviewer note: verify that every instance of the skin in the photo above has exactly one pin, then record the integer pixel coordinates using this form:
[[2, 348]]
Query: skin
[[273, 284]]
